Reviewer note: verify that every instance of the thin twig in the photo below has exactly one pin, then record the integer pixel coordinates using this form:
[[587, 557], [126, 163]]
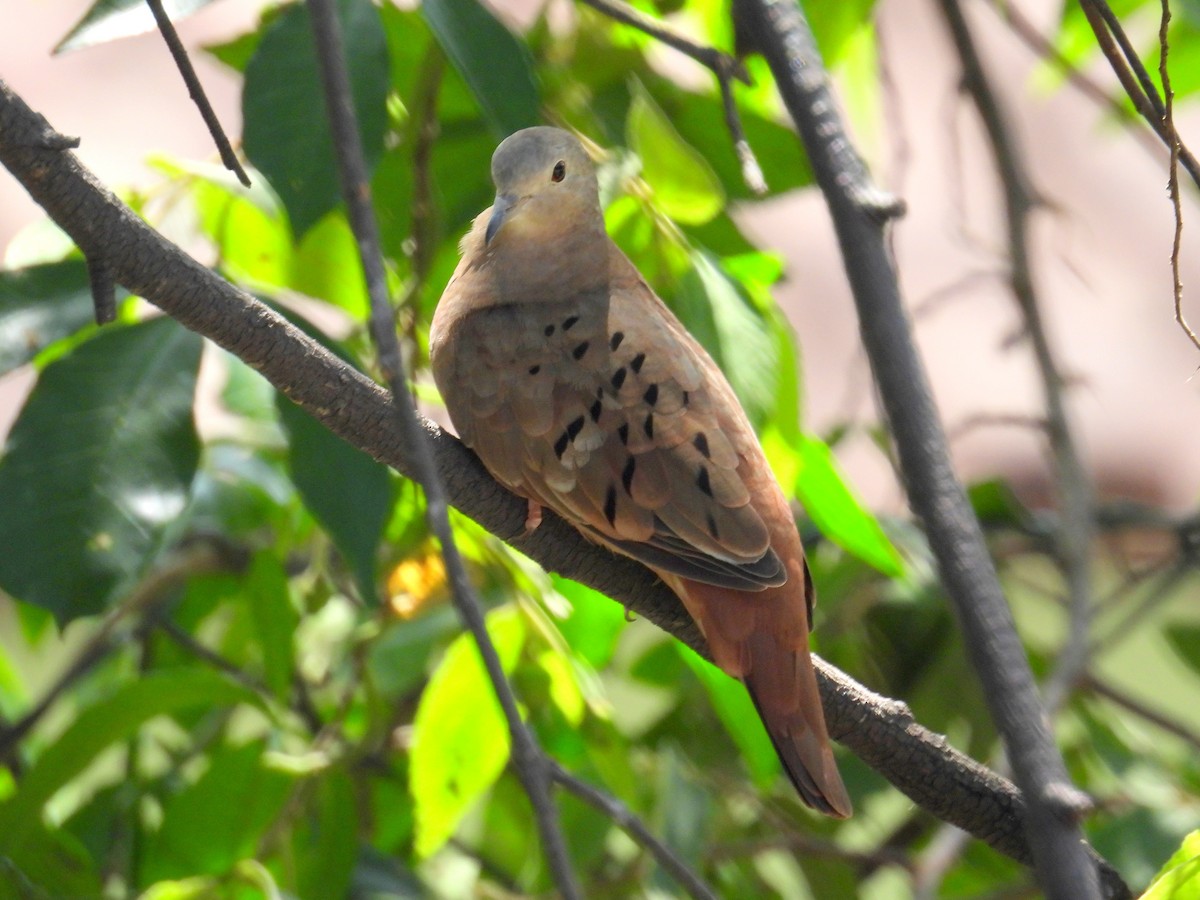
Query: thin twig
[[1074, 538], [722, 65], [196, 90], [807, 845], [528, 758], [636, 829], [1173, 174], [1114, 695], [1147, 106], [967, 571]]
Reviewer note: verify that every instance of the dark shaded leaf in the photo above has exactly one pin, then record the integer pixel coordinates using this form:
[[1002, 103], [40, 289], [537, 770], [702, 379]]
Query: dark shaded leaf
[[40, 305], [492, 61], [218, 819], [98, 467], [286, 135]]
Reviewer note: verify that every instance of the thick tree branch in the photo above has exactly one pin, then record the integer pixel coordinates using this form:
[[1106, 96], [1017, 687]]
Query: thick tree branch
[[880, 731], [1064, 870]]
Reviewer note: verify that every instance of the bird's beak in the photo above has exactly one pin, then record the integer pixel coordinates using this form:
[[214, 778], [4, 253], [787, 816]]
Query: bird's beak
[[500, 210]]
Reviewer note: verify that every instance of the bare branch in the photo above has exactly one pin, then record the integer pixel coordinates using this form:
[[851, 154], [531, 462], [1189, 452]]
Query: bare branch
[[722, 65], [196, 90], [636, 829]]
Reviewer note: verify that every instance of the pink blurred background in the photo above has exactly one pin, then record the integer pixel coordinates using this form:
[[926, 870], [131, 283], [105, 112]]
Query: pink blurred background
[[1101, 262]]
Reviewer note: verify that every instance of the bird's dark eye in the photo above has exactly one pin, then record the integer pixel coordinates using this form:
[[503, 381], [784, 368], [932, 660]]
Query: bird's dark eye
[[560, 171]]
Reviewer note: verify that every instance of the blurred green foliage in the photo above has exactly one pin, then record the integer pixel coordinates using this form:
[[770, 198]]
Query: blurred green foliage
[[264, 692]]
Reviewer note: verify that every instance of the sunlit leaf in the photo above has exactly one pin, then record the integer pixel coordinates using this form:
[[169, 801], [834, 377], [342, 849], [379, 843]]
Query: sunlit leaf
[[739, 338], [594, 622], [460, 739], [736, 711], [1179, 878], [684, 186], [838, 513], [108, 20], [98, 466]]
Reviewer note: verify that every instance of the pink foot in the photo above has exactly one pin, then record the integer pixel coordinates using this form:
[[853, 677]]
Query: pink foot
[[534, 517]]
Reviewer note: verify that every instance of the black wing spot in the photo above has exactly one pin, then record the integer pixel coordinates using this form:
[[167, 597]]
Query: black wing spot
[[548, 330], [610, 505], [702, 481], [560, 446], [623, 433], [580, 350], [700, 442], [712, 528], [636, 363], [618, 378], [627, 474], [574, 428], [616, 339], [533, 370], [648, 426], [569, 322], [595, 411], [685, 398], [651, 395]]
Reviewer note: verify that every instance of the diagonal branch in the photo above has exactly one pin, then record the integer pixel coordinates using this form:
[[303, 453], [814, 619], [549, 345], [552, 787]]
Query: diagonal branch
[[880, 731]]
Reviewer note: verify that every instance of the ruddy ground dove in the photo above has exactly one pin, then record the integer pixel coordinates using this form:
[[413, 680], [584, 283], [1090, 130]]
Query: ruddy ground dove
[[582, 392]]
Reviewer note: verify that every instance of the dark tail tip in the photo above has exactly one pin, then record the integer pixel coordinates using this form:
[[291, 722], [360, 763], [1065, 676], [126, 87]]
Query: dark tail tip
[[808, 761]]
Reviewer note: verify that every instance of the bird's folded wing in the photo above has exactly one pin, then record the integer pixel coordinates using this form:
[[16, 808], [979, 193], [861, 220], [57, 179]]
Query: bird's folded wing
[[606, 411]]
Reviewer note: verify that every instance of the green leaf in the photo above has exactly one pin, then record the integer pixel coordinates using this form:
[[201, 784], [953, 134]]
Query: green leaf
[[108, 20], [115, 718], [218, 819], [325, 846], [41, 305], [286, 135], [275, 620], [838, 513], [460, 739], [684, 186], [1179, 878], [1185, 640], [736, 711], [494, 63], [348, 492], [594, 624], [328, 266], [739, 338], [98, 467], [247, 224], [49, 863]]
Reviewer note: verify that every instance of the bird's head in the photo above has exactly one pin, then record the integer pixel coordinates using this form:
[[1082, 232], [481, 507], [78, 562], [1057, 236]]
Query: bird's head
[[545, 183]]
